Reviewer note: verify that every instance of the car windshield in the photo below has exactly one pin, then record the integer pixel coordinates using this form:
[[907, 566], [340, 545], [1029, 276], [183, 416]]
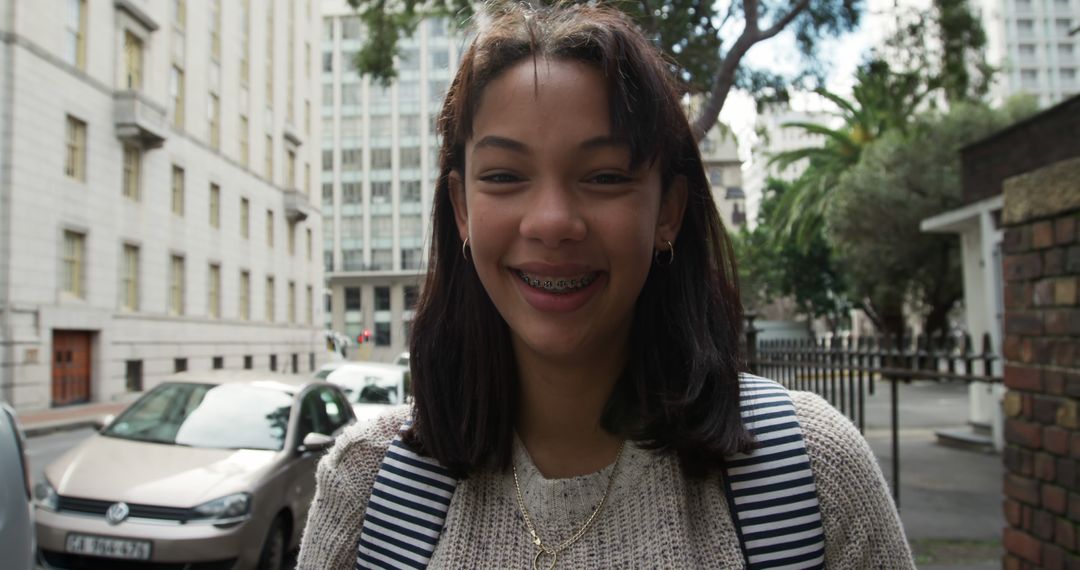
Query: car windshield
[[374, 393], [228, 416]]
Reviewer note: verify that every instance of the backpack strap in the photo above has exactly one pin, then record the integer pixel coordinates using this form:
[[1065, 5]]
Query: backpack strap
[[406, 511], [771, 492]]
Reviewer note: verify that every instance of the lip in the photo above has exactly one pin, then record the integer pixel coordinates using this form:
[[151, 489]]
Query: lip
[[547, 302]]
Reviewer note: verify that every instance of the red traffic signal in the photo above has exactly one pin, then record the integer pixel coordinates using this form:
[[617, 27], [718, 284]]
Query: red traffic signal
[[363, 337], [367, 335]]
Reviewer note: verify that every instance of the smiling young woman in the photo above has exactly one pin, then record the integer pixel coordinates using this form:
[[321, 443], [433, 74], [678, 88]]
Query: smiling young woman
[[578, 397]]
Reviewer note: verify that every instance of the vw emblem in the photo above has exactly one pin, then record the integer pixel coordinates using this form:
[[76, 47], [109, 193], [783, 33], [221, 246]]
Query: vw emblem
[[117, 513]]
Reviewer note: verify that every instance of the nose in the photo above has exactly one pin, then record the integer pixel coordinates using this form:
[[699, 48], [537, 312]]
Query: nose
[[554, 216]]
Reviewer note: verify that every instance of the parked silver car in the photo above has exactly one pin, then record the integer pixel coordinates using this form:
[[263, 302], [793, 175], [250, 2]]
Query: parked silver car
[[208, 470], [16, 528]]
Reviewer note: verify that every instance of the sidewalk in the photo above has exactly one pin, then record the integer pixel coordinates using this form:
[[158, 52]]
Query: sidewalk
[[950, 499], [67, 418]]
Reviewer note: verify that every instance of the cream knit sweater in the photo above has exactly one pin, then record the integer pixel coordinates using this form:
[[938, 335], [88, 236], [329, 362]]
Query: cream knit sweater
[[654, 518]]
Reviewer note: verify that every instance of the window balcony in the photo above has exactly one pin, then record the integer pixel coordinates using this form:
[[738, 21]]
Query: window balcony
[[297, 206], [139, 120]]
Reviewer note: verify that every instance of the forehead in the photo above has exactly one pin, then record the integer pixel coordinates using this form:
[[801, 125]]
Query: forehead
[[546, 99]]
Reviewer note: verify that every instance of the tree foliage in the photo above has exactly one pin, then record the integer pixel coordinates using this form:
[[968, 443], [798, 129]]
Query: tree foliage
[[705, 41], [874, 215], [772, 266]]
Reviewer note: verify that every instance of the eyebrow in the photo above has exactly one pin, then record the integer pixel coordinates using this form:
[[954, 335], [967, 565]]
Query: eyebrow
[[492, 141]]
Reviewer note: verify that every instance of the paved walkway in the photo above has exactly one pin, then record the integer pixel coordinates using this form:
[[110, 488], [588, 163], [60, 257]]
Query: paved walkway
[[950, 499]]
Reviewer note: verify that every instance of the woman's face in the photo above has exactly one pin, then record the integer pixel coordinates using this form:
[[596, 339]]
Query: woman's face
[[561, 230]]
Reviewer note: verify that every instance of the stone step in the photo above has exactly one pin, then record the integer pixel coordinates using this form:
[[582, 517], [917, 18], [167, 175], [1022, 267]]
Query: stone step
[[965, 438]]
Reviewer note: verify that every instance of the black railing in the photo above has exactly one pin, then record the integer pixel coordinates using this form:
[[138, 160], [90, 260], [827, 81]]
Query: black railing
[[844, 370]]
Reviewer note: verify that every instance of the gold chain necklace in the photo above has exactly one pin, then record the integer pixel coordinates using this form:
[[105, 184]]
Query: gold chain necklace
[[545, 550]]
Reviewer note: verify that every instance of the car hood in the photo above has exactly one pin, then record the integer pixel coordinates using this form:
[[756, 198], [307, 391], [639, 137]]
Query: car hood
[[113, 469]]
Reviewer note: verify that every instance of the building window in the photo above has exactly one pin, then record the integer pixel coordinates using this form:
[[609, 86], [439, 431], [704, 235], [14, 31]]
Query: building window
[[177, 88], [269, 310], [352, 298], [215, 206], [245, 218], [381, 159], [351, 159], [270, 228], [410, 157], [213, 113], [311, 362], [716, 176], [245, 146], [382, 259], [292, 238], [273, 362], [75, 159], [218, 362], [270, 55], [309, 305], [213, 292], [382, 298], [177, 190], [74, 255], [245, 296], [269, 170], [382, 334], [380, 192], [292, 302], [133, 61], [410, 191], [75, 49], [290, 170], [245, 41], [412, 295], [129, 279], [215, 30], [249, 362], [295, 358], [179, 365], [176, 285], [133, 375], [309, 245], [351, 193], [411, 258], [179, 14], [307, 180], [132, 172]]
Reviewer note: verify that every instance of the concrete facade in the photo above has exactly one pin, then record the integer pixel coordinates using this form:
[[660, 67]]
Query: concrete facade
[[42, 85], [720, 156], [379, 168]]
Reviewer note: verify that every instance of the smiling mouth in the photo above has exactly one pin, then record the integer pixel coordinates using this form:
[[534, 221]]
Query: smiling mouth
[[556, 285]]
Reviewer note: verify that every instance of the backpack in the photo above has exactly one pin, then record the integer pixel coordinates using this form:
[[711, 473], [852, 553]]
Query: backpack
[[770, 493]]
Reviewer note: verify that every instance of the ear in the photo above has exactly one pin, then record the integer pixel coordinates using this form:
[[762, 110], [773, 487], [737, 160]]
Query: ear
[[457, 200], [672, 209]]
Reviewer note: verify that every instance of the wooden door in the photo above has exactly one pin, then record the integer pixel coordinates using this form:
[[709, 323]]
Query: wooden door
[[70, 367]]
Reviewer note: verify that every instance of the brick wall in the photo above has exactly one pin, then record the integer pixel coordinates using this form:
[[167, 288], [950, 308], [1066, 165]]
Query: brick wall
[[1041, 250]]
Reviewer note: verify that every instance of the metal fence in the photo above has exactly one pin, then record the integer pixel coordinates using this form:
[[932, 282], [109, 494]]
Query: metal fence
[[844, 370]]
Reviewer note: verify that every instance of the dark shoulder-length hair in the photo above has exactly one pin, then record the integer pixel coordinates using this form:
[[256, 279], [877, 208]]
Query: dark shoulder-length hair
[[679, 392]]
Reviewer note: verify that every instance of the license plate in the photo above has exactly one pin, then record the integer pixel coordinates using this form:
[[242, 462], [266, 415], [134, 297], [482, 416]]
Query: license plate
[[108, 547]]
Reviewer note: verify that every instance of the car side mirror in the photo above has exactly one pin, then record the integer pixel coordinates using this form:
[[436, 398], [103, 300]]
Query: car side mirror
[[100, 422], [315, 442]]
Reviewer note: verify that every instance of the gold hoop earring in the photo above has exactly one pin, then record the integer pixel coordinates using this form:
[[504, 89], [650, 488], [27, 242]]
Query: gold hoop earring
[[465, 249], [670, 258]]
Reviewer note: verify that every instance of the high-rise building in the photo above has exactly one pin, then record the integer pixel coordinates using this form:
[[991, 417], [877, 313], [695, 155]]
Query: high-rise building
[[155, 172], [775, 138], [1036, 43], [379, 165]]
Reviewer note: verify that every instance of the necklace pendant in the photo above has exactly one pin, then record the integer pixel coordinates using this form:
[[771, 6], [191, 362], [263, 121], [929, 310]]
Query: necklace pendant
[[540, 553]]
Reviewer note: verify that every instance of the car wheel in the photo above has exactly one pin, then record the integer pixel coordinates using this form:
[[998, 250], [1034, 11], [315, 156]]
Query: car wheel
[[273, 550]]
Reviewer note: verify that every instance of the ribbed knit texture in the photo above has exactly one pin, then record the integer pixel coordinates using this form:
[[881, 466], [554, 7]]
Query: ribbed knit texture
[[654, 518]]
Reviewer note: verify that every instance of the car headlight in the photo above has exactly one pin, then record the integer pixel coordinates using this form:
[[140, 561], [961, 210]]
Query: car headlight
[[227, 507], [45, 496]]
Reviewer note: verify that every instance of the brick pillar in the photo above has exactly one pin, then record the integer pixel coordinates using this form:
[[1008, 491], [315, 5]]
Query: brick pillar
[[1041, 250]]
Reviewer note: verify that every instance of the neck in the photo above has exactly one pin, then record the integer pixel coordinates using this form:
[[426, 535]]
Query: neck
[[560, 409]]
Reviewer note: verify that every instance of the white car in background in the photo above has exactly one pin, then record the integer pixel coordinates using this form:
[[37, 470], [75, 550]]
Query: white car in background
[[372, 387]]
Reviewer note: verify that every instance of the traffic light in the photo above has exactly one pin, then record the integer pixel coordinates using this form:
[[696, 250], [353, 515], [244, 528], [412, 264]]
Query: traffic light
[[363, 337]]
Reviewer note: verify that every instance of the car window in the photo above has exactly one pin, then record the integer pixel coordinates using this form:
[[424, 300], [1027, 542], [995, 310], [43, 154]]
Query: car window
[[336, 414], [312, 415]]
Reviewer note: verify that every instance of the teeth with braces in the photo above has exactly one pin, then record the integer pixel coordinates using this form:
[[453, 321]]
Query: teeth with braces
[[559, 286]]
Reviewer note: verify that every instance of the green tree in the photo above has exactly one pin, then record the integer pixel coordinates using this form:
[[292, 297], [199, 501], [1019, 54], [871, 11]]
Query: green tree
[[706, 40], [874, 215], [772, 266], [882, 99]]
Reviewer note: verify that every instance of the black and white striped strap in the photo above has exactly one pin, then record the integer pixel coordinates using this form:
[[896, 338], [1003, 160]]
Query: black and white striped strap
[[771, 491], [406, 511]]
